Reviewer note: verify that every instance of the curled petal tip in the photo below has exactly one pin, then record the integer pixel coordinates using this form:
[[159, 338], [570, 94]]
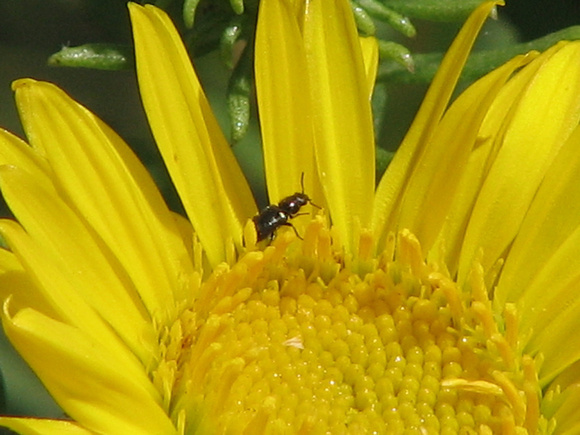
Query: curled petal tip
[[19, 83]]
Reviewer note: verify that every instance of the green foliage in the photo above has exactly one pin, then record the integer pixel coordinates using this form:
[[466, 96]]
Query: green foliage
[[478, 64], [229, 25], [96, 56], [433, 10], [239, 95]]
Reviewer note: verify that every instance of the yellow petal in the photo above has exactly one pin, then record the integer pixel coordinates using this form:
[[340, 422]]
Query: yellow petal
[[451, 236], [539, 307], [99, 393], [392, 186], [284, 102], [14, 151], [77, 256], [433, 182], [370, 51], [543, 119], [17, 284], [563, 398], [58, 291], [538, 273], [210, 183], [341, 114], [37, 426], [554, 335], [9, 263], [549, 225], [111, 190]]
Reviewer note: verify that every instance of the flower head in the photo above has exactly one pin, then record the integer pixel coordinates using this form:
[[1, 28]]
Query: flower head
[[418, 306]]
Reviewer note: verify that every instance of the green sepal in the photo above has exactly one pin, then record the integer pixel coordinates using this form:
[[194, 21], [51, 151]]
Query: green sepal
[[239, 95], [433, 10], [95, 56], [397, 21], [365, 24], [478, 64]]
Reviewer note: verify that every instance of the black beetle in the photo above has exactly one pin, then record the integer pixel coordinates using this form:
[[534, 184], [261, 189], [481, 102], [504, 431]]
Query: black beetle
[[274, 216]]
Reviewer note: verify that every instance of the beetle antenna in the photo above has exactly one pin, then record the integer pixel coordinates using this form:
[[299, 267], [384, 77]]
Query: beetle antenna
[[302, 185]]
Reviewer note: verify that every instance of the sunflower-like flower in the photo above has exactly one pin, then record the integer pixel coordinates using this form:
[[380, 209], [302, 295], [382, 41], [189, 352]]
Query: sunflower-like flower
[[446, 300]]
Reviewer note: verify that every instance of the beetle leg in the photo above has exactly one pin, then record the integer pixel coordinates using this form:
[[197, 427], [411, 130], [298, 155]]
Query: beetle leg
[[288, 224]]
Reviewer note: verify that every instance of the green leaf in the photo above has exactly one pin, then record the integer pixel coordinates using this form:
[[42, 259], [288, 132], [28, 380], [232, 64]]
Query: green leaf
[[230, 36], [239, 95], [237, 6], [364, 22], [433, 10], [189, 7], [379, 105], [96, 56], [398, 53], [397, 21], [211, 20], [478, 64]]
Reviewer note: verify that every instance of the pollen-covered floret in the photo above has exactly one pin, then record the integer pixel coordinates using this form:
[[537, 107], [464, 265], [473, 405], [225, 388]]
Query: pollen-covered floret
[[278, 345]]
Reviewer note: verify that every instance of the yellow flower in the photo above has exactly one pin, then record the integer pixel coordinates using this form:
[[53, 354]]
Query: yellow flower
[[444, 301]]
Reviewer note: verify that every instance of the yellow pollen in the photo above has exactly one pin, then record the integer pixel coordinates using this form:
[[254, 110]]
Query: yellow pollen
[[302, 338]]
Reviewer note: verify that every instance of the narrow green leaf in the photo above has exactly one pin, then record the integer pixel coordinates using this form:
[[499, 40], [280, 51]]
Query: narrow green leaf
[[237, 6], [189, 7], [478, 64], [397, 21], [239, 94], [211, 19], [398, 53], [379, 104], [230, 36], [365, 24], [96, 56], [433, 10]]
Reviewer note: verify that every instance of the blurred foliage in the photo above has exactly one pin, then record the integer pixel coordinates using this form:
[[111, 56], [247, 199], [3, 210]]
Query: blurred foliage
[[2, 394], [227, 26]]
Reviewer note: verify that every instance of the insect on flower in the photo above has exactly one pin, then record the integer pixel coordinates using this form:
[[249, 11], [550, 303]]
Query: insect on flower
[[274, 216]]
